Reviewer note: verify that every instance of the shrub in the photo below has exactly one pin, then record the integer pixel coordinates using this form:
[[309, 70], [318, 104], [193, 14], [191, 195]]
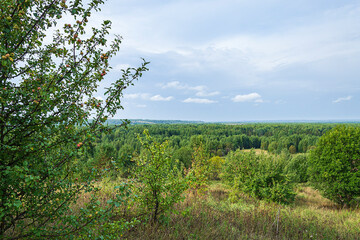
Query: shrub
[[184, 155], [297, 168], [199, 172], [159, 183], [215, 166], [261, 176], [334, 164], [292, 149]]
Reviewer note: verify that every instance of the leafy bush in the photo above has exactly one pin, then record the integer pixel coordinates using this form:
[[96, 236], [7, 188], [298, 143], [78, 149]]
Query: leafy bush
[[334, 164], [184, 155], [199, 172], [215, 166], [297, 168], [261, 176], [159, 183]]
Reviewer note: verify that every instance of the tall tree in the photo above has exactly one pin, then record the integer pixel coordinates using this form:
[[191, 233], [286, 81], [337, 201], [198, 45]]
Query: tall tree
[[46, 102]]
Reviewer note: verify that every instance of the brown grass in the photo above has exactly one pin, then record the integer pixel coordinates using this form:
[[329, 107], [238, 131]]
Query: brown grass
[[215, 217], [256, 150]]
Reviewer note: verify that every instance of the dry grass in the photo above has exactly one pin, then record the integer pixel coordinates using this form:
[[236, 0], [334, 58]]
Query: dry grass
[[215, 217], [311, 198], [311, 205], [256, 150]]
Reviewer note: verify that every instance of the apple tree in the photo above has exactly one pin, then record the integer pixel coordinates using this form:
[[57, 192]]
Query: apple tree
[[49, 113]]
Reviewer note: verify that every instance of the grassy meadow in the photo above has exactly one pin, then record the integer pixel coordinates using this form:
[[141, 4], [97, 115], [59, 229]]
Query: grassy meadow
[[221, 214]]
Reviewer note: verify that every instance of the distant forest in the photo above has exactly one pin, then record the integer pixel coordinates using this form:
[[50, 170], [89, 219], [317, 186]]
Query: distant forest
[[121, 144]]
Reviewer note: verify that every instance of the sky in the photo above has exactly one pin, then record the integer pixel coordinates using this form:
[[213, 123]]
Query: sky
[[238, 60]]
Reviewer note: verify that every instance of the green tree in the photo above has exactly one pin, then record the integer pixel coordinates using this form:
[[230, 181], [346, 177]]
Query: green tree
[[199, 172], [292, 149], [46, 101], [273, 147], [124, 159], [215, 166], [335, 162], [184, 155], [297, 167], [160, 183]]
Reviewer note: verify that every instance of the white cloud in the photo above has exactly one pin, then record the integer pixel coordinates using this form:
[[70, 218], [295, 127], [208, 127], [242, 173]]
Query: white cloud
[[330, 34], [136, 96], [131, 96], [251, 97], [160, 98], [174, 84], [348, 98], [207, 94], [147, 96], [199, 100], [201, 90]]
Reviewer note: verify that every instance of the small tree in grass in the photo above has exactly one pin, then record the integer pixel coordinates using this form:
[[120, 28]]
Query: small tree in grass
[[160, 183], [46, 101], [199, 172], [292, 149], [334, 165], [215, 166]]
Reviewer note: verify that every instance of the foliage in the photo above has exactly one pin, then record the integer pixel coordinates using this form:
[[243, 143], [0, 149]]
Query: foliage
[[46, 101], [292, 149], [261, 176], [217, 139], [215, 166], [184, 155], [160, 184], [297, 168], [199, 169], [334, 164]]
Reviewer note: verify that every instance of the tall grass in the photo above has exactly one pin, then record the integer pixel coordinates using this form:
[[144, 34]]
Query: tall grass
[[216, 217]]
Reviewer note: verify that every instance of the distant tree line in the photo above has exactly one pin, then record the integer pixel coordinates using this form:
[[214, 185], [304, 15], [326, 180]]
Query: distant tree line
[[214, 151], [121, 145]]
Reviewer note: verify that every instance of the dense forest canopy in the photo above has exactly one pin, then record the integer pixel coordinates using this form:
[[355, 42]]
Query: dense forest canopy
[[218, 139]]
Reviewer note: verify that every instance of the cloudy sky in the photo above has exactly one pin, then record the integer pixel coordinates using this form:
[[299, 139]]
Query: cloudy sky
[[234, 60]]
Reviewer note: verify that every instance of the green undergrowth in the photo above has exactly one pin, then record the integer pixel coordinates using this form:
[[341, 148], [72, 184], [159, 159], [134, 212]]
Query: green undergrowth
[[216, 216]]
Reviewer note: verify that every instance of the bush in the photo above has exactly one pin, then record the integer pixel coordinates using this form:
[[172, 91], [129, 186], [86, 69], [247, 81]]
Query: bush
[[184, 155], [160, 184], [261, 176], [297, 168], [215, 165], [199, 172], [334, 164]]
